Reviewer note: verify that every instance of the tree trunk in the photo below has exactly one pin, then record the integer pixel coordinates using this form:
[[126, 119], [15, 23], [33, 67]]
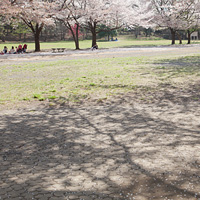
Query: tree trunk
[[92, 27], [136, 34], [37, 42], [94, 38], [38, 29], [77, 44], [189, 37], [179, 37], [173, 35], [74, 35], [77, 37]]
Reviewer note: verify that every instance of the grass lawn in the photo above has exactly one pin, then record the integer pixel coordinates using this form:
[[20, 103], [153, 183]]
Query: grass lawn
[[96, 79], [122, 42]]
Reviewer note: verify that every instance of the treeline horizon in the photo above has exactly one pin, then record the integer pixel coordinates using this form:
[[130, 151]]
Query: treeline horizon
[[60, 33]]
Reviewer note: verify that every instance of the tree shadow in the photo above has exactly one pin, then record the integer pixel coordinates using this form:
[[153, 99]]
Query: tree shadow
[[100, 152], [185, 65]]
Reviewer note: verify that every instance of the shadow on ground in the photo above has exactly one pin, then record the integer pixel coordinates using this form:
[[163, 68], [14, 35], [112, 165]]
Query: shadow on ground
[[117, 151], [185, 65]]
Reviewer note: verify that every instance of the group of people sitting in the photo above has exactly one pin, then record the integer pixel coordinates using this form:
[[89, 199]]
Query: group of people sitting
[[15, 50], [114, 39]]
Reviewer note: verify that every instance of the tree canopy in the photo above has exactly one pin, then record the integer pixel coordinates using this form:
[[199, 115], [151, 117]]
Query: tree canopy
[[98, 15]]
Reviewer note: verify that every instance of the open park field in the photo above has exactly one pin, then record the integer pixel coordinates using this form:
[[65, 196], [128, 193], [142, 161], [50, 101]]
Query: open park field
[[114, 124], [97, 76]]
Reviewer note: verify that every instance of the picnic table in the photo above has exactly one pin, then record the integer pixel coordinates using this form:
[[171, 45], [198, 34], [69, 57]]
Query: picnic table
[[56, 50]]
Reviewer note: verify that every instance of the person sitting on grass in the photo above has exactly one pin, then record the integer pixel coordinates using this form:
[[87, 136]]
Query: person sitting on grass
[[19, 49], [12, 50], [24, 48], [5, 49], [95, 47]]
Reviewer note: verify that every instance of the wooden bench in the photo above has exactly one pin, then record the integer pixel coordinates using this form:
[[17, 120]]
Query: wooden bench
[[56, 50]]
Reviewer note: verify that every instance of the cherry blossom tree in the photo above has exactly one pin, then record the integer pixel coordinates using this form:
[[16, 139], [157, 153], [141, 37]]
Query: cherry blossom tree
[[90, 14], [70, 13], [98, 12], [34, 13], [7, 11], [137, 13], [172, 14], [167, 15], [190, 15]]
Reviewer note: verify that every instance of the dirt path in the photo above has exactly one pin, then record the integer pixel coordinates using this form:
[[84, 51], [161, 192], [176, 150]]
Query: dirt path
[[185, 50], [116, 151]]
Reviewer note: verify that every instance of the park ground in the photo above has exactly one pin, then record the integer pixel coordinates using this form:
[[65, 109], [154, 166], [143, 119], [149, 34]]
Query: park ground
[[114, 124]]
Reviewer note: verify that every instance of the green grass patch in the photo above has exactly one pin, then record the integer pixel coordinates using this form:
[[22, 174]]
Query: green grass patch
[[36, 96], [123, 41], [92, 84], [97, 79], [52, 97]]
